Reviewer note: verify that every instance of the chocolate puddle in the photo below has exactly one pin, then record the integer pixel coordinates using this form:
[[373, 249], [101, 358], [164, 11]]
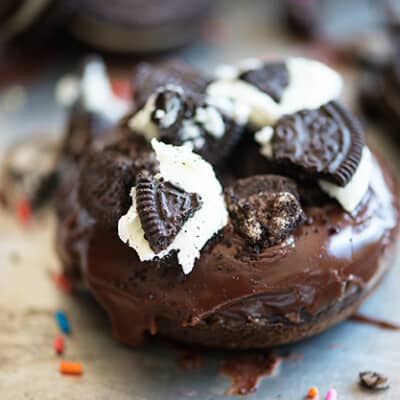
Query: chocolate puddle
[[246, 371], [373, 321]]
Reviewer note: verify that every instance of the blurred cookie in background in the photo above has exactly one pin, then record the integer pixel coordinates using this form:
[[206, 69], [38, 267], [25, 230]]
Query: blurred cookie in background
[[30, 172]]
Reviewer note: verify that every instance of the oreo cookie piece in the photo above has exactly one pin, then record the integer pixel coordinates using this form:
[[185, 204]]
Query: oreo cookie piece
[[107, 175], [265, 208], [325, 143], [271, 78], [148, 78], [163, 208], [178, 116]]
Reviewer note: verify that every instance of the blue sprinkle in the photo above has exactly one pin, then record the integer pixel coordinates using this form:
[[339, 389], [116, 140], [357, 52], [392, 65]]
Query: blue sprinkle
[[62, 321]]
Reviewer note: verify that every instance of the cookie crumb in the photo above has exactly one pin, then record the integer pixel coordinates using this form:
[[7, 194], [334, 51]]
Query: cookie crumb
[[373, 380]]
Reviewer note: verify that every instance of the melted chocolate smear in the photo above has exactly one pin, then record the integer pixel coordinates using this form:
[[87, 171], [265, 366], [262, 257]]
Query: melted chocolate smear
[[271, 78], [325, 143], [246, 371], [376, 322], [163, 209]]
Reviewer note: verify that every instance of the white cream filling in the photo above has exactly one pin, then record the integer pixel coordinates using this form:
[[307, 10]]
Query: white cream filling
[[311, 84], [97, 92], [211, 120], [237, 111], [350, 195], [191, 173], [264, 137], [142, 123]]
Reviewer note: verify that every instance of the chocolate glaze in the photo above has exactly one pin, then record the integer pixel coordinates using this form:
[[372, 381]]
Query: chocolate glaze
[[235, 297]]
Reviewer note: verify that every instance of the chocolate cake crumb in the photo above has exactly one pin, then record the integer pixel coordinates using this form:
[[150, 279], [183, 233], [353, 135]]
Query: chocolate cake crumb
[[263, 215]]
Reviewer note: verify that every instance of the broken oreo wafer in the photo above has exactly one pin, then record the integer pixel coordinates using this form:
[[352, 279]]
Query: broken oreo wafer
[[271, 78], [264, 208], [148, 78], [325, 143], [163, 208]]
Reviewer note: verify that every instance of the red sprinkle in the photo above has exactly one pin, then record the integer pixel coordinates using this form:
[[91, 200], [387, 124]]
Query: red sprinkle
[[24, 211], [62, 282], [122, 88], [58, 344]]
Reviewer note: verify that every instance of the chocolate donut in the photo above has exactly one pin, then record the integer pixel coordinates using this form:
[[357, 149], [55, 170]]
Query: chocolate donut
[[166, 250]]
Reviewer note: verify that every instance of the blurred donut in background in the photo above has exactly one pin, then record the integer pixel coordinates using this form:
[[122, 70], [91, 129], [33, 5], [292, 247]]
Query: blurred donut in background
[[122, 26], [138, 26]]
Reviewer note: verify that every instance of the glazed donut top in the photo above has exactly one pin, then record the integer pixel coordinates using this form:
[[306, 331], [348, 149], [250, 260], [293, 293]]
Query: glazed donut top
[[158, 178]]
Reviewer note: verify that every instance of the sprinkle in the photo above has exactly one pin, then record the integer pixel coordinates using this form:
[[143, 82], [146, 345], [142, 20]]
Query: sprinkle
[[71, 368], [122, 88], [58, 344], [63, 322], [312, 392], [24, 211], [331, 394], [62, 282]]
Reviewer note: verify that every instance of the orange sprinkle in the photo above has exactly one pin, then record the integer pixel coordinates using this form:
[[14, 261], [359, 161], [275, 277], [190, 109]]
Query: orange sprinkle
[[24, 211], [71, 368], [312, 392]]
